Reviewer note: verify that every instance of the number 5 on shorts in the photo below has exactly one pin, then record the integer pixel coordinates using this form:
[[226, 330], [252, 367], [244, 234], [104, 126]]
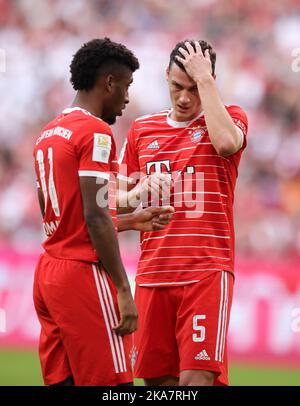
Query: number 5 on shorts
[[198, 337]]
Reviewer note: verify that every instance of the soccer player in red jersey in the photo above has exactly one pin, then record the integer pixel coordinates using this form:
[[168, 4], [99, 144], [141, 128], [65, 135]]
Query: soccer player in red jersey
[[81, 291], [186, 271]]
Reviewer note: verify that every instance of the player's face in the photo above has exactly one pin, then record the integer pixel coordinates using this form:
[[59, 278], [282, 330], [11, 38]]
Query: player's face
[[118, 98], [184, 94]]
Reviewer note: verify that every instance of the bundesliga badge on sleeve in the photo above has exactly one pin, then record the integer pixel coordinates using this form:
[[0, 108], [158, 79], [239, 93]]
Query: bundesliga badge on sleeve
[[102, 146]]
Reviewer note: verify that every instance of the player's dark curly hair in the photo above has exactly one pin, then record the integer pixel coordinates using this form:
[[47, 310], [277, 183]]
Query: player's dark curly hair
[[96, 57], [204, 45]]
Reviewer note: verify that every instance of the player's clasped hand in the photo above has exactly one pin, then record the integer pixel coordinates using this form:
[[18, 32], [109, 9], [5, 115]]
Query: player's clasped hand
[[153, 218], [163, 217], [157, 184], [128, 313], [197, 65]]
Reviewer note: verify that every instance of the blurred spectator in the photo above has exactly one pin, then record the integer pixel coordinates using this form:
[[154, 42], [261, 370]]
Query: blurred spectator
[[254, 42]]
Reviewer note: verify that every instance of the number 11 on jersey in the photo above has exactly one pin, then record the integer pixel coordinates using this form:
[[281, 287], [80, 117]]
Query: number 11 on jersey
[[51, 184]]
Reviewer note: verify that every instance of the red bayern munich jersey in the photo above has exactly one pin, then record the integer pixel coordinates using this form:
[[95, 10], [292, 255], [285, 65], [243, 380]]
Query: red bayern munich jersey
[[75, 144], [200, 238]]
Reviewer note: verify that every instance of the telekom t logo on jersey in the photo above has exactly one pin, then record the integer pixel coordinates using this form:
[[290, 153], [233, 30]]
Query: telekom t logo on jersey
[[158, 166], [188, 188]]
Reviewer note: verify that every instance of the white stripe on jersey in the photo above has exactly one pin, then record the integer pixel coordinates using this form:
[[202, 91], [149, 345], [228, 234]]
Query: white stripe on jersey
[[199, 228], [241, 134], [146, 128], [199, 221], [177, 264], [185, 235], [206, 155], [202, 193], [196, 155], [189, 246], [188, 142], [186, 256], [125, 178], [158, 136], [210, 166], [122, 153], [198, 201], [95, 174], [174, 152], [214, 180], [200, 211], [183, 270], [167, 283], [162, 113], [181, 204], [215, 174], [150, 121], [203, 178]]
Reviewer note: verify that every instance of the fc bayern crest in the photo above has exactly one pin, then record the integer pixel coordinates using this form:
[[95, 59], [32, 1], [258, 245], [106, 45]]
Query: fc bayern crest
[[197, 134], [133, 356]]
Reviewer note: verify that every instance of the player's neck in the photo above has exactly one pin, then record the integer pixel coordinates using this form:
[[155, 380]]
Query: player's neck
[[84, 101], [179, 119]]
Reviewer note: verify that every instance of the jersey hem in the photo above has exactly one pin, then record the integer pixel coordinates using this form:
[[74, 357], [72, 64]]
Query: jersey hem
[[161, 284], [89, 261]]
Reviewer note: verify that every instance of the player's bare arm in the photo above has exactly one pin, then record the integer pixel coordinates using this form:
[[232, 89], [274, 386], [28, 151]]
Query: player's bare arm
[[224, 136], [41, 201], [103, 236]]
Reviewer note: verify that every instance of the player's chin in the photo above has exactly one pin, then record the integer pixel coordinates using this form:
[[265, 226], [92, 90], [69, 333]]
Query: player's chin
[[185, 115], [111, 120]]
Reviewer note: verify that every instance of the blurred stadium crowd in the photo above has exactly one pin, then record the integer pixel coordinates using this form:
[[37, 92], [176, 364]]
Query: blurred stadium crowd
[[254, 41]]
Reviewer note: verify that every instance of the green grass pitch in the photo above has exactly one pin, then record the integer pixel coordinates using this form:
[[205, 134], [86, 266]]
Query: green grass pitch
[[23, 368]]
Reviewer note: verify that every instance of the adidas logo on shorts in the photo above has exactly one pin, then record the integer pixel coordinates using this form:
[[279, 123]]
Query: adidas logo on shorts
[[153, 145], [202, 356]]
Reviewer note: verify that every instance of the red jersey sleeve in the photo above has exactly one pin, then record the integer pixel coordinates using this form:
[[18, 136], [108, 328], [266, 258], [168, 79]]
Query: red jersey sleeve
[[96, 150], [129, 162], [240, 119]]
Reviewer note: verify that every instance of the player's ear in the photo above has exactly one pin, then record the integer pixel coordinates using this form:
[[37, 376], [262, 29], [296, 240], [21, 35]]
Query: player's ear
[[109, 83], [167, 73]]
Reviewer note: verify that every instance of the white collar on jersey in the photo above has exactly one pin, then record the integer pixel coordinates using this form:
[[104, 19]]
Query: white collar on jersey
[[181, 124], [71, 109]]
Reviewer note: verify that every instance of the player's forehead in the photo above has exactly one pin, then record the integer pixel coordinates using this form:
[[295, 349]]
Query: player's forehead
[[177, 75]]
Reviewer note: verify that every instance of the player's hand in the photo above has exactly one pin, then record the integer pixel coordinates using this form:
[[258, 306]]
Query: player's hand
[[157, 185], [153, 218], [197, 65], [128, 314]]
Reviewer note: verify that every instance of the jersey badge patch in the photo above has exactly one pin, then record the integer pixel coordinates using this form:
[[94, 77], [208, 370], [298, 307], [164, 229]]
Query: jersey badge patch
[[102, 147], [197, 134]]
